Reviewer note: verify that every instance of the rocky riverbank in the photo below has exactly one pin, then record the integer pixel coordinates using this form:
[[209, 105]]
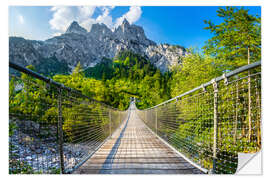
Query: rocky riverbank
[[41, 155]]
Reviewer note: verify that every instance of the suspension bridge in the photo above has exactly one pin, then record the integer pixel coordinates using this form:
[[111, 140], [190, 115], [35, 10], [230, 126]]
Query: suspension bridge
[[200, 131], [135, 149]]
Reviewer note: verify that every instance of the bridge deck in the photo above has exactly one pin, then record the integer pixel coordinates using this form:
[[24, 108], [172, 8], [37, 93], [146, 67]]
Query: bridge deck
[[134, 149]]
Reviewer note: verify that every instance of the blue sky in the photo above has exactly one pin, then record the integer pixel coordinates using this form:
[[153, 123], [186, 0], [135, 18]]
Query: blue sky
[[182, 25]]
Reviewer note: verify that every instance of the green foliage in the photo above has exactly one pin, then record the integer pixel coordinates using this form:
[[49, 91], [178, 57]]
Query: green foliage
[[52, 66], [55, 170], [21, 102], [103, 70], [194, 70], [19, 167], [75, 119], [12, 127], [238, 33]]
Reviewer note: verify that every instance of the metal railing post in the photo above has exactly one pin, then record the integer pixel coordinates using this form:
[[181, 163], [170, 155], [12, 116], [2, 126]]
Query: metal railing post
[[110, 119], [249, 108], [236, 112], [119, 117], [60, 131], [144, 116], [215, 87], [156, 121]]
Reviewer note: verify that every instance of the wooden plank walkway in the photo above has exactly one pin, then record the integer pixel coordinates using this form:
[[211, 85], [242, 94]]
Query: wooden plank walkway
[[134, 149]]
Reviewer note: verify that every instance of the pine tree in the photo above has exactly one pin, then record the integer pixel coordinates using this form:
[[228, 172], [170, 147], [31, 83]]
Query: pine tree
[[237, 40]]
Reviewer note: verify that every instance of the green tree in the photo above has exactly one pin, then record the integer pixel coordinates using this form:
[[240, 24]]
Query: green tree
[[194, 70], [78, 71], [237, 40]]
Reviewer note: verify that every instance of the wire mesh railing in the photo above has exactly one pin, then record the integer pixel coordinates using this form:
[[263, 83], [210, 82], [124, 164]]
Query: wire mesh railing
[[212, 123], [52, 128]]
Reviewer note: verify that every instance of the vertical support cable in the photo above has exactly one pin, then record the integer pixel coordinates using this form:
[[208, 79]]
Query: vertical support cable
[[119, 112], [215, 87], [156, 120], [110, 119], [60, 131]]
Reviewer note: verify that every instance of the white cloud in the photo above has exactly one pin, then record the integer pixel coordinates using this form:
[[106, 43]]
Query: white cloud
[[21, 19], [57, 34], [63, 16], [105, 17], [132, 16], [86, 11], [87, 24]]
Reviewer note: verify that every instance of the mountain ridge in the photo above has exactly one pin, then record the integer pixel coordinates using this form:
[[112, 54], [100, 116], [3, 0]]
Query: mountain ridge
[[89, 48]]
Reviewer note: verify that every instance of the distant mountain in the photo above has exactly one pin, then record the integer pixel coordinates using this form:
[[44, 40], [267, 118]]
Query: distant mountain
[[90, 48]]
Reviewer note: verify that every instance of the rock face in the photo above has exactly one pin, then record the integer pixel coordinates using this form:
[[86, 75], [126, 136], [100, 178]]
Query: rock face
[[76, 28], [89, 48]]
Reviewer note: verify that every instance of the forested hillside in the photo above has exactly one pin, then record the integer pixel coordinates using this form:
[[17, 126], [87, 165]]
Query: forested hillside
[[115, 81]]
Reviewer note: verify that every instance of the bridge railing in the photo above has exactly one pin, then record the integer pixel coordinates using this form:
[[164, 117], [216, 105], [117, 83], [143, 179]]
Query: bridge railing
[[212, 123], [53, 128]]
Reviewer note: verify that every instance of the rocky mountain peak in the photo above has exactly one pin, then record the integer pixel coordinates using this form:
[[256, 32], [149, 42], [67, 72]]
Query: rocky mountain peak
[[100, 30], [133, 33], [74, 27], [125, 23], [124, 27]]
